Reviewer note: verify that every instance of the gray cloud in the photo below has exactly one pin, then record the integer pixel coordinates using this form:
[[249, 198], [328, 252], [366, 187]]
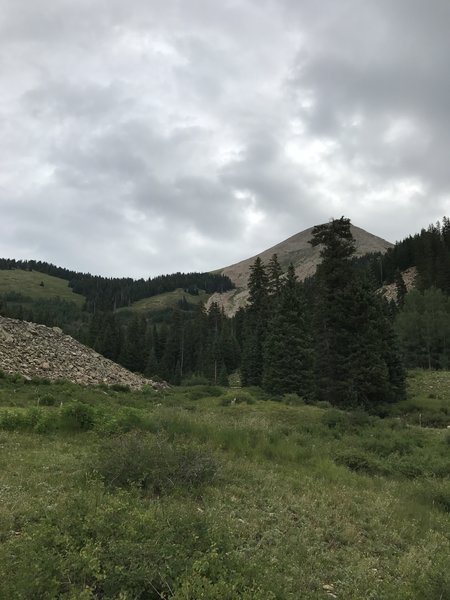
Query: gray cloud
[[159, 136]]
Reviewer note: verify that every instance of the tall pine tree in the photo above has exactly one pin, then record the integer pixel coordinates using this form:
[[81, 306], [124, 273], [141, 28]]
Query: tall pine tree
[[255, 325], [351, 329], [287, 357]]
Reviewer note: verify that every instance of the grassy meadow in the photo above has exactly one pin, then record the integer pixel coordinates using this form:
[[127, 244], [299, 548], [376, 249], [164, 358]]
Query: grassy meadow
[[210, 493], [28, 284], [164, 301]]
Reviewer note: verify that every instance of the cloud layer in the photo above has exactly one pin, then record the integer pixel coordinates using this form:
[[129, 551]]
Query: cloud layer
[[149, 137]]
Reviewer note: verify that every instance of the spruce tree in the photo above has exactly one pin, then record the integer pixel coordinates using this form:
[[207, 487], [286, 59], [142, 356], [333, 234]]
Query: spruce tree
[[353, 366], [133, 351], [287, 357], [274, 273], [333, 305], [400, 287], [255, 325]]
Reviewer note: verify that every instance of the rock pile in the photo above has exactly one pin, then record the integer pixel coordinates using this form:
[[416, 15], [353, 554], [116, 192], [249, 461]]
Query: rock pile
[[409, 277], [39, 351]]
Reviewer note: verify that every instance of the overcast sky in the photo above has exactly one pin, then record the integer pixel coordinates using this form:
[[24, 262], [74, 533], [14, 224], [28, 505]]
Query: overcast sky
[[151, 136]]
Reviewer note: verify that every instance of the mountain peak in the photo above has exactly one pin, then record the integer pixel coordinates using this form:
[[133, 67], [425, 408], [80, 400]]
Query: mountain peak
[[295, 249]]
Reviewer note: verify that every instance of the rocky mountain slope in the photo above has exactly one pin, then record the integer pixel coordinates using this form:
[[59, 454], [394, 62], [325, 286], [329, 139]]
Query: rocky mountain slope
[[38, 351], [295, 249]]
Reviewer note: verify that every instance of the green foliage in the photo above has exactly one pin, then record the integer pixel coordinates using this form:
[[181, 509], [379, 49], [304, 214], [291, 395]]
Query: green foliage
[[47, 400], [237, 397], [119, 387], [287, 352], [423, 327], [361, 462], [77, 416], [153, 464], [306, 497], [255, 325], [293, 399], [355, 359], [194, 380]]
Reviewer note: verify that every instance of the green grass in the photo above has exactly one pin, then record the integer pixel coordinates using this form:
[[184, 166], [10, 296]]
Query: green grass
[[28, 283], [428, 401], [285, 499], [166, 300]]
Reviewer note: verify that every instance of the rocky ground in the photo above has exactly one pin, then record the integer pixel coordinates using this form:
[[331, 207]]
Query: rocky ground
[[39, 351], [409, 277]]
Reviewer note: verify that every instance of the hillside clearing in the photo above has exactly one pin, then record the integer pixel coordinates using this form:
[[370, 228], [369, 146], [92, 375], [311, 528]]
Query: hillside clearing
[[28, 283], [165, 300]]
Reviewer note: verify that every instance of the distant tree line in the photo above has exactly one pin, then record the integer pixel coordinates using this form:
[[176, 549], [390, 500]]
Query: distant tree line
[[428, 251], [105, 293], [196, 342]]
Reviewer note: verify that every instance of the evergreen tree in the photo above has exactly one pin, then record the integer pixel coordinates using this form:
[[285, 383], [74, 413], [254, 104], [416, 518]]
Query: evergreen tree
[[133, 352], [333, 337], [400, 287], [172, 361], [351, 329], [109, 337], [423, 327], [255, 325], [274, 273], [287, 357]]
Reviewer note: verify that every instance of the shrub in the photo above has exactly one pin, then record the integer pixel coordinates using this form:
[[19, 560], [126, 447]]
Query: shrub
[[77, 416], [237, 397], [322, 404], [258, 393], [12, 420], [361, 463], [17, 379], [120, 387], [153, 464], [335, 419], [205, 391], [293, 399], [195, 380], [359, 418], [441, 499], [408, 467], [47, 400], [129, 419]]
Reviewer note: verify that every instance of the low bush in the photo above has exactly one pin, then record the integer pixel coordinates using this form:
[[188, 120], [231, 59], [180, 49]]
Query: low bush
[[77, 416], [47, 400], [441, 499], [237, 397], [293, 399], [13, 420], [204, 391], [153, 464], [195, 380], [120, 387], [336, 419], [361, 463]]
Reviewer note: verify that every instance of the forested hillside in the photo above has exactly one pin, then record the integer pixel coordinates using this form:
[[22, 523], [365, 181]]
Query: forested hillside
[[105, 293], [334, 331], [428, 251]]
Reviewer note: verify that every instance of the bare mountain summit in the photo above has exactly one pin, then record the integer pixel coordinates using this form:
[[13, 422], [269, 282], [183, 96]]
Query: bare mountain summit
[[295, 249]]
